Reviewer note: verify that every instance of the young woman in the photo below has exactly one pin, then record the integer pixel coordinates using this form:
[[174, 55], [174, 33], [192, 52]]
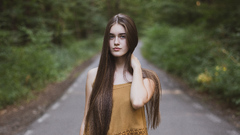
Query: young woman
[[118, 89]]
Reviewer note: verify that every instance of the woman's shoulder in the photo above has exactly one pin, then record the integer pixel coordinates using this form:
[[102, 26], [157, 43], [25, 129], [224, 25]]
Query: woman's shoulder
[[92, 74], [93, 71]]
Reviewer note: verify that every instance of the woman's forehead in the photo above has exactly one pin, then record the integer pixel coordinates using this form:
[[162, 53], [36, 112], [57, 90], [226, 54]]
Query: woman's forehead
[[117, 29]]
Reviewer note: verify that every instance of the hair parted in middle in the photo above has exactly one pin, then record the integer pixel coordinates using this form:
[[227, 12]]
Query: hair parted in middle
[[100, 105]]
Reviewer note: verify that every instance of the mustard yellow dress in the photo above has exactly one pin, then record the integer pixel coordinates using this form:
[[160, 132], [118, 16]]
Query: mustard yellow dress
[[125, 120]]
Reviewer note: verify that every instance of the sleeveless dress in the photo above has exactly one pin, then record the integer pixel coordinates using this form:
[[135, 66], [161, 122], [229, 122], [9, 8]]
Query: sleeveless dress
[[125, 120]]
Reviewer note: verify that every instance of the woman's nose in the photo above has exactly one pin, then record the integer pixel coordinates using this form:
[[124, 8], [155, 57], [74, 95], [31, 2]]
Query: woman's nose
[[116, 42]]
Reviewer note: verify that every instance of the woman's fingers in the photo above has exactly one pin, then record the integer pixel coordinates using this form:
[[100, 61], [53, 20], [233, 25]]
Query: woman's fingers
[[135, 62]]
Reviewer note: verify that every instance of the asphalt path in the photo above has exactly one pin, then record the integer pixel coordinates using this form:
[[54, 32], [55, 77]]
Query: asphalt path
[[180, 114]]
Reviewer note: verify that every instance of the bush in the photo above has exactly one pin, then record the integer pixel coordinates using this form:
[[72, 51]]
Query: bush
[[30, 68], [190, 53]]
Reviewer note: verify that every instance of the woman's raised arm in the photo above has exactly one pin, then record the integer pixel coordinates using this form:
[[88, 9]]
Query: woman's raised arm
[[141, 89]]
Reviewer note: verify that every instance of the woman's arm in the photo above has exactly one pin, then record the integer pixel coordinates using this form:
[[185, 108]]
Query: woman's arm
[[141, 89], [90, 79]]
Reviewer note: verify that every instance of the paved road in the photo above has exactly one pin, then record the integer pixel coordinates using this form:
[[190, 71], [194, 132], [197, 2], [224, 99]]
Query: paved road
[[181, 114]]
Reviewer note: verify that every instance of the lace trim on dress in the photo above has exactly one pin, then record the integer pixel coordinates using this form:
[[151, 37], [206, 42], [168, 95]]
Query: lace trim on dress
[[142, 131]]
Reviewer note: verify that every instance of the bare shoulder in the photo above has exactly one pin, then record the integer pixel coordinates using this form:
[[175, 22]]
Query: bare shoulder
[[93, 71], [92, 75]]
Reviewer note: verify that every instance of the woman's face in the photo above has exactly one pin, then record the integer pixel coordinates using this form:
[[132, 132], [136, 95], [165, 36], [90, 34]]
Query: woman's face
[[118, 41]]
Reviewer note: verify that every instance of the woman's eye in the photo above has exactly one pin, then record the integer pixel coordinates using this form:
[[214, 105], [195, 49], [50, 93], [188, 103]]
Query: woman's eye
[[122, 36], [111, 37]]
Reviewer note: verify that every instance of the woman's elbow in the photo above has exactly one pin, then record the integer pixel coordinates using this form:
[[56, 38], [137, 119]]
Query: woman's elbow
[[136, 104]]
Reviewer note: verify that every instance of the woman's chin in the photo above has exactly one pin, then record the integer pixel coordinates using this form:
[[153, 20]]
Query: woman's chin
[[118, 54]]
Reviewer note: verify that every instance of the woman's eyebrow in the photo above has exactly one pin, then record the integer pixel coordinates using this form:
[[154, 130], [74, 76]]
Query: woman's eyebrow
[[118, 34]]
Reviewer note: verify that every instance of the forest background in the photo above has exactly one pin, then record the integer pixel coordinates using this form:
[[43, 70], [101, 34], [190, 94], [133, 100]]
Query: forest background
[[42, 41]]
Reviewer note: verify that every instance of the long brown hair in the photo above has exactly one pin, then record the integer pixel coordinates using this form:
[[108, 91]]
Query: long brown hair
[[100, 106]]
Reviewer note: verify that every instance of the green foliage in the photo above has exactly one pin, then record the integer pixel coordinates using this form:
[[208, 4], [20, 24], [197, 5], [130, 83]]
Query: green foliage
[[45, 33], [200, 37], [38, 42], [38, 37], [175, 12], [220, 17], [174, 42], [190, 53], [62, 18], [30, 68]]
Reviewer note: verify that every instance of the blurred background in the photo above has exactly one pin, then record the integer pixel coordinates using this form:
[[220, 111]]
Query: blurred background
[[41, 41]]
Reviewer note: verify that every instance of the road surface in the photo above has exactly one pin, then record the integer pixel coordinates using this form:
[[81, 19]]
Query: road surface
[[180, 114]]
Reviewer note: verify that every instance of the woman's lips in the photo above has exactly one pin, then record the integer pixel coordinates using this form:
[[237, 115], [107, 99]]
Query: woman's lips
[[116, 49]]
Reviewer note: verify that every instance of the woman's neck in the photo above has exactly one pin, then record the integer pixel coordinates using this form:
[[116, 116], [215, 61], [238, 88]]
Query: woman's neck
[[119, 77], [119, 63]]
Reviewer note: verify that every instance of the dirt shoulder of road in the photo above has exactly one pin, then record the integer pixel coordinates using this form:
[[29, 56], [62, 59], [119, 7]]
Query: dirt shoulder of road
[[16, 118]]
